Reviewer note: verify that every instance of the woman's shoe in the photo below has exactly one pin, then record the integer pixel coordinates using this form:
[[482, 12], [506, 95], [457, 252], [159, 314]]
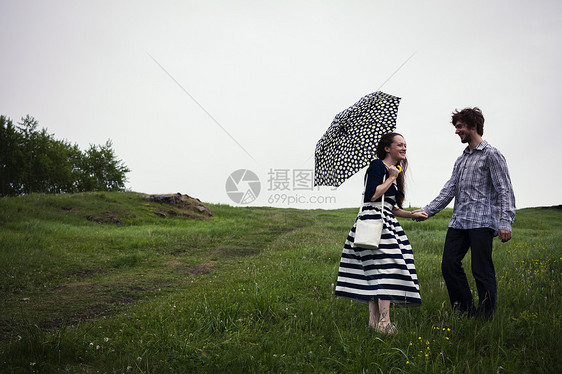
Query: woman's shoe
[[388, 328]]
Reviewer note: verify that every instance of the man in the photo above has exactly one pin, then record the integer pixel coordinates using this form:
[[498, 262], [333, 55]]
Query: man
[[484, 207]]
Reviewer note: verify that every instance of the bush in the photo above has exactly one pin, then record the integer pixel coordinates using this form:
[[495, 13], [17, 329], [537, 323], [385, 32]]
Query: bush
[[32, 160]]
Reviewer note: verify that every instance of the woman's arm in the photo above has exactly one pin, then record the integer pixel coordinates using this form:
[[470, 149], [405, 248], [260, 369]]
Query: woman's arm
[[416, 215], [383, 187]]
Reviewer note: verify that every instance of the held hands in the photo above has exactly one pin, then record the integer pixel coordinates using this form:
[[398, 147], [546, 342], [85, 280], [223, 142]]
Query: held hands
[[419, 215]]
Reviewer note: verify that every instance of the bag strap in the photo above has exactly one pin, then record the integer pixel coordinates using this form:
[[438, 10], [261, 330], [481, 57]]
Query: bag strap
[[363, 196]]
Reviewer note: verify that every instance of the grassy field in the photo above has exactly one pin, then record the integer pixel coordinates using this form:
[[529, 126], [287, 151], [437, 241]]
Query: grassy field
[[250, 290]]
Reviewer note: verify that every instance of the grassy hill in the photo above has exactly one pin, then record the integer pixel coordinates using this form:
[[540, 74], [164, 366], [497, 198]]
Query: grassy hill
[[116, 282]]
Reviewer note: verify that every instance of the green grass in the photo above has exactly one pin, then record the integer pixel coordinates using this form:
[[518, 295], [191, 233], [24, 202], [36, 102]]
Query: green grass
[[250, 290]]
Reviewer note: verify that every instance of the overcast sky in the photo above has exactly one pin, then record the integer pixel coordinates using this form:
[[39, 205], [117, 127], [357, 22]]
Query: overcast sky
[[191, 91]]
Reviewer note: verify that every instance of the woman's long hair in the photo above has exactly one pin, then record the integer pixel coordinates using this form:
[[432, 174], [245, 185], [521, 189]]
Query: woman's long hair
[[386, 141]]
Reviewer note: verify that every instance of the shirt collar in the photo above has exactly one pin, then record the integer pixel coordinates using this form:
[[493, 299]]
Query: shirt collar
[[479, 147], [482, 145]]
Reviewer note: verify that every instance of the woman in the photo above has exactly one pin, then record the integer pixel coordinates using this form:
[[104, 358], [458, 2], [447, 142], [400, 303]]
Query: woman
[[388, 274]]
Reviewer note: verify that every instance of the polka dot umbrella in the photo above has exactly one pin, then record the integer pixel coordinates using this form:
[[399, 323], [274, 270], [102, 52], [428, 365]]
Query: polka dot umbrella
[[350, 142]]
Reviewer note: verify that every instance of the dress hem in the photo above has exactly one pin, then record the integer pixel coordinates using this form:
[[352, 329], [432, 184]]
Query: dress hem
[[398, 302]]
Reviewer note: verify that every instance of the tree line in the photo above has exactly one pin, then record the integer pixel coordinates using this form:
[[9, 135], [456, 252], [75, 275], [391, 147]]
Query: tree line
[[32, 160]]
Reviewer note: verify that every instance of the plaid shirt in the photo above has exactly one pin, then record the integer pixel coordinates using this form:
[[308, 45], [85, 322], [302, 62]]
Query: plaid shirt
[[482, 190]]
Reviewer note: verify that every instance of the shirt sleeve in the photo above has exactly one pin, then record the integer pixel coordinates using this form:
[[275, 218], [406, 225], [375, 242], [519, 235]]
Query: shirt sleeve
[[375, 174], [501, 181], [446, 195]]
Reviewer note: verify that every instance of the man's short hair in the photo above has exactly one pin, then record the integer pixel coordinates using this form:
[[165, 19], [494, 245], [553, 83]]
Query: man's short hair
[[472, 117]]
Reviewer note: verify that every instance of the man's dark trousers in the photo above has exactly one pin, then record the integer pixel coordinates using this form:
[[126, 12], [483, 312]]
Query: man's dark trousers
[[457, 244]]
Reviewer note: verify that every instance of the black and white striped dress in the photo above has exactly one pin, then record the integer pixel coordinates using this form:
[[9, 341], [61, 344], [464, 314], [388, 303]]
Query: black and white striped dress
[[387, 273]]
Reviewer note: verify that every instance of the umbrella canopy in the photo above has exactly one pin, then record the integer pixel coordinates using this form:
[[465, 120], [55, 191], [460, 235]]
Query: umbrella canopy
[[350, 142]]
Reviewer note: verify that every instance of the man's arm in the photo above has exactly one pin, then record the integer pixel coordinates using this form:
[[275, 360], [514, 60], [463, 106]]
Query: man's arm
[[501, 181], [445, 196]]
